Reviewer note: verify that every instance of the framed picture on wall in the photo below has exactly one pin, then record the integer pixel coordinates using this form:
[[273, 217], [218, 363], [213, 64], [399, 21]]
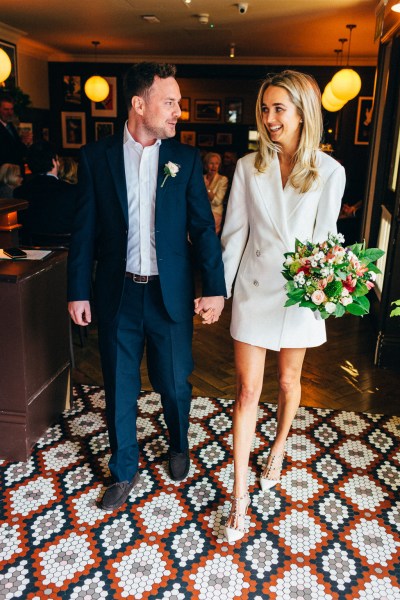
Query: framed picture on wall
[[11, 51], [73, 128], [233, 110], [72, 89], [25, 131], [207, 110], [188, 137], [224, 139], [363, 120], [103, 129], [108, 107], [205, 139], [185, 108]]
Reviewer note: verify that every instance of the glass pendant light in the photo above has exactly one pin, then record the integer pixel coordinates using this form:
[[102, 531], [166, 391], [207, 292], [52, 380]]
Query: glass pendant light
[[96, 87], [5, 65], [346, 83]]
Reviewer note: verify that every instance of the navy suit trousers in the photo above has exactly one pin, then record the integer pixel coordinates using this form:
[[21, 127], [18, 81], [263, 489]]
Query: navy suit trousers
[[143, 321]]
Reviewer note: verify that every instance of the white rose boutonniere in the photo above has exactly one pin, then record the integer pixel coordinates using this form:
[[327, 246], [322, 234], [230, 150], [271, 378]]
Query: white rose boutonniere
[[170, 170]]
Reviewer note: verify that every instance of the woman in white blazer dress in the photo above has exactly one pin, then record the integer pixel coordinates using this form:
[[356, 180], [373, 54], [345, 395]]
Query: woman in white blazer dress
[[287, 190]]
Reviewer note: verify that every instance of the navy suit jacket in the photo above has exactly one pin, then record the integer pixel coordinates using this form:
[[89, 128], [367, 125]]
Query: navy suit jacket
[[101, 229], [12, 150]]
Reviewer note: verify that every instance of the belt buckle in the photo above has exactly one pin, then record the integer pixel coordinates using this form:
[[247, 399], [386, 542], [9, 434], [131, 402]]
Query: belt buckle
[[140, 278]]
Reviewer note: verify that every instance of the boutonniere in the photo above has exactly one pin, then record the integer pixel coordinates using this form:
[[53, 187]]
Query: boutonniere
[[170, 170]]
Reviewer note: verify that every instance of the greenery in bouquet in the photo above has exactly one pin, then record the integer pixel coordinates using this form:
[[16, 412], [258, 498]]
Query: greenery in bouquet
[[329, 277]]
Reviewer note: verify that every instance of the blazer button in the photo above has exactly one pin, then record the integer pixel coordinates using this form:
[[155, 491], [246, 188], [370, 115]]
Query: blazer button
[[255, 282], [258, 253]]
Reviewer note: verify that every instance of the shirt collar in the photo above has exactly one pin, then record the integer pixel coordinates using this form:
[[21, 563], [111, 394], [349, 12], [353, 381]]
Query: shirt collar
[[128, 139]]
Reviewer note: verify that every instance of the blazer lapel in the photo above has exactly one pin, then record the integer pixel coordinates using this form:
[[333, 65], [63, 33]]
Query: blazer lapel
[[115, 156], [269, 185]]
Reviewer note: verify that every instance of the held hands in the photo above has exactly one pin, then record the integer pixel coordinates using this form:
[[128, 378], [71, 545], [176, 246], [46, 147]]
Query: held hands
[[79, 311], [209, 308]]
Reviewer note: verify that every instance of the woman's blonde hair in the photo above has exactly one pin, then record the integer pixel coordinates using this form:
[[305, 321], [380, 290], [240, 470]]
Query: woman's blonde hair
[[10, 174], [305, 94], [209, 156], [68, 169]]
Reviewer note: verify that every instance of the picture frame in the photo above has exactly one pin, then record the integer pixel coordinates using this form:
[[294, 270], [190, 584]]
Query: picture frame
[[72, 89], [188, 137], [233, 110], [363, 120], [185, 109], [108, 107], [205, 140], [103, 129], [223, 139], [25, 132], [207, 110], [11, 51], [73, 129]]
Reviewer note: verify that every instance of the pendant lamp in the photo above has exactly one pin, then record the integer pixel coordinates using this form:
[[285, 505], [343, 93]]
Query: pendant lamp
[[5, 65], [96, 87], [346, 83], [329, 98]]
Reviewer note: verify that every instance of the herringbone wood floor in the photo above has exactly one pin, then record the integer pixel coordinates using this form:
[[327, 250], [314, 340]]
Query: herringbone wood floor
[[338, 375]]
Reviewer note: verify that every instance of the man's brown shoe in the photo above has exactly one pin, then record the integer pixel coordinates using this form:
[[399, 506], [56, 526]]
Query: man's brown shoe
[[116, 495]]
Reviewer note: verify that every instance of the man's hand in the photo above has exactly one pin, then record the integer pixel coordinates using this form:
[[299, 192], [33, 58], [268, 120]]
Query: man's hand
[[80, 312], [209, 308]]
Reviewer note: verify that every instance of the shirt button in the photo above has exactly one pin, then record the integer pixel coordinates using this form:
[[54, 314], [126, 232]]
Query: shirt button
[[255, 282], [258, 253]]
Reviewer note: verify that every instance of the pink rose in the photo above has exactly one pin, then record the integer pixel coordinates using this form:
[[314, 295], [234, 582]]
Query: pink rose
[[318, 297]]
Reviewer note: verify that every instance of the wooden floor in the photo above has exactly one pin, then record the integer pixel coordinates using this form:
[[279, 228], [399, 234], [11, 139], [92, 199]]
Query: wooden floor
[[338, 375]]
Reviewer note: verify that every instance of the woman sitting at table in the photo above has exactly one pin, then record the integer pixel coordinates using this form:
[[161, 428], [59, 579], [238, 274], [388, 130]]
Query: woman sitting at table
[[10, 178], [216, 185]]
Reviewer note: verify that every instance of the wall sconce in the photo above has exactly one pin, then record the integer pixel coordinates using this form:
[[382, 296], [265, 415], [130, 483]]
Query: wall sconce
[[396, 7], [96, 87], [5, 66], [346, 83], [232, 51]]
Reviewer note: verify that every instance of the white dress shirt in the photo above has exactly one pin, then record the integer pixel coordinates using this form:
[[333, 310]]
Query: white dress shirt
[[141, 166]]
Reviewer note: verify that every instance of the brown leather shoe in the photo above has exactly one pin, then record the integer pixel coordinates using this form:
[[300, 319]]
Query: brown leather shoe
[[116, 495], [179, 465]]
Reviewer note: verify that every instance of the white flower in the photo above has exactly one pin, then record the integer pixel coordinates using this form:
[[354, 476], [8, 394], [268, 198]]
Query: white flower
[[372, 275], [170, 170], [288, 261], [345, 300], [330, 307]]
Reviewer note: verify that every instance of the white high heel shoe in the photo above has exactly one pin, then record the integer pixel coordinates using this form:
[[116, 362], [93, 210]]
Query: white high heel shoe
[[233, 534], [266, 481]]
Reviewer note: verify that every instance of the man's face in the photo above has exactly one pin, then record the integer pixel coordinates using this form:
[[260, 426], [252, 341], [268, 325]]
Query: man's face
[[6, 111], [161, 108]]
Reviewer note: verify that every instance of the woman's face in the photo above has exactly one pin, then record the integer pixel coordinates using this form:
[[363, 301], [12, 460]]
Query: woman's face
[[213, 165], [280, 117]]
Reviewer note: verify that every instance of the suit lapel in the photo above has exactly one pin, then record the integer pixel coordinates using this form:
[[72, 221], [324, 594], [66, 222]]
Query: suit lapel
[[269, 185], [115, 157]]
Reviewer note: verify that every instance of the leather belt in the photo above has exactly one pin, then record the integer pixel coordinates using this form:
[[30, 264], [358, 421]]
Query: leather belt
[[140, 278]]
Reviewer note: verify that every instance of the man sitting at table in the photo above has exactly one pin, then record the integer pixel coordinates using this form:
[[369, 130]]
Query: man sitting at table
[[52, 202]]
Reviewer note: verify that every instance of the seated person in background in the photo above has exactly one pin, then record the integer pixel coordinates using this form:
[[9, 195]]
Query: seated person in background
[[10, 178], [216, 186], [229, 160], [52, 202], [68, 169], [12, 150]]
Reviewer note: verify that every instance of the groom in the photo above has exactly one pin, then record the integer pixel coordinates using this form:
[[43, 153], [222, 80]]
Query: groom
[[141, 199]]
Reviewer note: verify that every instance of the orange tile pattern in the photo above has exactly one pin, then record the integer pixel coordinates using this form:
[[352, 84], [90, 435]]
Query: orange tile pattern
[[329, 531]]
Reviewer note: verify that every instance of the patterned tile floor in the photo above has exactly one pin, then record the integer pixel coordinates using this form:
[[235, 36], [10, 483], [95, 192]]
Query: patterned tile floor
[[329, 531]]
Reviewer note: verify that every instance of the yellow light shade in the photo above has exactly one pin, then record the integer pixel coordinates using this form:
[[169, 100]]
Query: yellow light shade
[[346, 84], [5, 65], [331, 98], [97, 88], [330, 107]]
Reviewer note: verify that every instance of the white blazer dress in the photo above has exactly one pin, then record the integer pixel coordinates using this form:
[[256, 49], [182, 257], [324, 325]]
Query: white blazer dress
[[262, 222]]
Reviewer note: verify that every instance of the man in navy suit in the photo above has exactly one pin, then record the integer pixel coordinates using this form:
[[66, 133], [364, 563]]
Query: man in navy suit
[[142, 198], [12, 150]]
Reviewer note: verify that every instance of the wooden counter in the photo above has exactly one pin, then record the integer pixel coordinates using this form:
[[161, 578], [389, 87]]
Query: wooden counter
[[34, 360]]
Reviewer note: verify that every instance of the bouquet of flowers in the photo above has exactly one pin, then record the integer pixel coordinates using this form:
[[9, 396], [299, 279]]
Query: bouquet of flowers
[[330, 278]]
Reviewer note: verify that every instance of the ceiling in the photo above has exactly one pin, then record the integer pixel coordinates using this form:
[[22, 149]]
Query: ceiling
[[274, 31]]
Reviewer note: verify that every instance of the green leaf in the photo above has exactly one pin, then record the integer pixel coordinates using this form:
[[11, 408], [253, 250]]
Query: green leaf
[[363, 302], [291, 302], [296, 293], [372, 254], [286, 276], [340, 310], [373, 268], [354, 309], [395, 312], [360, 289], [307, 304], [356, 248]]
